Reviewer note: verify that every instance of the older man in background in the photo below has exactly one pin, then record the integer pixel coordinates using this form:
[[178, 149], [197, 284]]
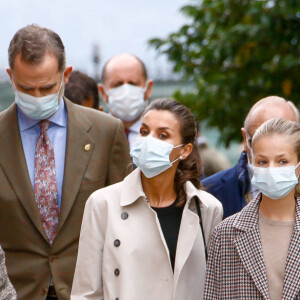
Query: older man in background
[[126, 88], [233, 186]]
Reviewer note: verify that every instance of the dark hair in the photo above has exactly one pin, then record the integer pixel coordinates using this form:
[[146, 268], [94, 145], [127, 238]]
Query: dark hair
[[144, 70], [189, 169], [80, 87], [33, 42]]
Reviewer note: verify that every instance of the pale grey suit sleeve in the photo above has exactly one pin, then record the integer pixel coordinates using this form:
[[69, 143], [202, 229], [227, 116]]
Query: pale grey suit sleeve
[[7, 292]]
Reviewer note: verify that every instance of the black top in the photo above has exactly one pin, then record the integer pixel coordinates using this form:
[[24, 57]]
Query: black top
[[170, 218]]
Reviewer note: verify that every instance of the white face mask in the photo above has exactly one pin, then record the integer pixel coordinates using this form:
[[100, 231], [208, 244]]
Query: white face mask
[[126, 102], [37, 108], [275, 182]]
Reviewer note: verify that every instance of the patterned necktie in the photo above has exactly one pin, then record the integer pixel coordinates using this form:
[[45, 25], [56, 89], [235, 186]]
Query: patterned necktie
[[45, 188], [127, 131]]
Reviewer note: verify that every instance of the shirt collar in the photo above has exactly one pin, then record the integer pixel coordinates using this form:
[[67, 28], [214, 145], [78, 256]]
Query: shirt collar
[[59, 118], [135, 127]]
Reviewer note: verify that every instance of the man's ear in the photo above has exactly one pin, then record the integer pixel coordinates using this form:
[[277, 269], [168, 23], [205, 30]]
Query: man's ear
[[67, 73], [101, 89], [149, 90], [8, 71], [243, 130]]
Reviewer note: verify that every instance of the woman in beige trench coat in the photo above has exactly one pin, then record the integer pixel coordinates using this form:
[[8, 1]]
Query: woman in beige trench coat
[[145, 237]]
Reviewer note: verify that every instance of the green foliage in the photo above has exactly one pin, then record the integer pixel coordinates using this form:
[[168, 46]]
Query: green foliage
[[236, 52]]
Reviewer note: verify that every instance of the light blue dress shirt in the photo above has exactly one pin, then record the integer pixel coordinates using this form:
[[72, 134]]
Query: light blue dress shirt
[[57, 133]]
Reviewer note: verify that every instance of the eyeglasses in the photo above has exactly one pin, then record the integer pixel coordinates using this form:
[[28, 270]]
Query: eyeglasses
[[248, 140]]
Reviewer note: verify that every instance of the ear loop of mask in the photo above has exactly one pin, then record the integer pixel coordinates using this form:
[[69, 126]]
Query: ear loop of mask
[[252, 155], [296, 170], [180, 157], [146, 86]]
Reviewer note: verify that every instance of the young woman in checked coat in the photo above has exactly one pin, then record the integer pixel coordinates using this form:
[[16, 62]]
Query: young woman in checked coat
[[255, 254]]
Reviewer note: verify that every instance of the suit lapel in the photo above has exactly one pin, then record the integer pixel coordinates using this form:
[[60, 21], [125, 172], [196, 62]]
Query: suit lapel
[[249, 248], [79, 150], [13, 162], [291, 286]]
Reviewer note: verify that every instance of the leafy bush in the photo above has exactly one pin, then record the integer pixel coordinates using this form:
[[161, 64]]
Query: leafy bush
[[235, 52]]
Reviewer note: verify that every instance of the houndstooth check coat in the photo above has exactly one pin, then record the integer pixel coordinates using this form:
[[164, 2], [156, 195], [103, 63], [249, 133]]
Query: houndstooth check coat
[[7, 292], [236, 268]]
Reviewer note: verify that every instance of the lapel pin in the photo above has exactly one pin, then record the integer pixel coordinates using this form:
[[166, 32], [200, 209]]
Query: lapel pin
[[87, 147]]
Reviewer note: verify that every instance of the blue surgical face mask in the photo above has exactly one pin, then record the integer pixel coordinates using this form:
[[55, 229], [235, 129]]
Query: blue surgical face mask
[[152, 155], [37, 108], [275, 182]]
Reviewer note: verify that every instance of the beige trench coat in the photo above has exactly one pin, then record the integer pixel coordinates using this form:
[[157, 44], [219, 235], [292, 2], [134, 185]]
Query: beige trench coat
[[122, 251]]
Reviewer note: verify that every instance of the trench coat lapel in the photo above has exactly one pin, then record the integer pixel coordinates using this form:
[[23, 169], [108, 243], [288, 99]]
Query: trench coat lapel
[[189, 228], [13, 162], [79, 149], [291, 286], [132, 191], [249, 248]]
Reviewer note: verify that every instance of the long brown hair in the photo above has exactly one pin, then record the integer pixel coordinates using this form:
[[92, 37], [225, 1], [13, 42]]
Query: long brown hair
[[189, 169]]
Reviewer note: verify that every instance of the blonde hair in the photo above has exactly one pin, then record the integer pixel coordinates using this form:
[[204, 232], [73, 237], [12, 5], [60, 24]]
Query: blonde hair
[[283, 127]]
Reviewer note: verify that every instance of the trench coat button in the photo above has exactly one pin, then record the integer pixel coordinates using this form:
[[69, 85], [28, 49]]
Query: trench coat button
[[124, 215], [44, 292], [117, 243], [52, 259], [117, 272], [87, 147]]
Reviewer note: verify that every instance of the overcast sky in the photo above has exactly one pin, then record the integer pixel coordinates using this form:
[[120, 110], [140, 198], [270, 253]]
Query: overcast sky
[[116, 25]]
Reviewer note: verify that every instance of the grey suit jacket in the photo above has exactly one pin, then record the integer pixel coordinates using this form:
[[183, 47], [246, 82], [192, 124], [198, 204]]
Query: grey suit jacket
[[97, 155], [236, 269]]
